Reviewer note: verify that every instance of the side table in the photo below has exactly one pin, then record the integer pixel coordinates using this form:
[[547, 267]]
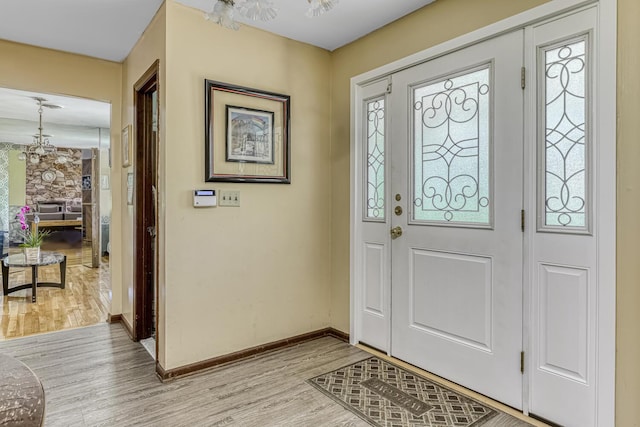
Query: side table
[[45, 258]]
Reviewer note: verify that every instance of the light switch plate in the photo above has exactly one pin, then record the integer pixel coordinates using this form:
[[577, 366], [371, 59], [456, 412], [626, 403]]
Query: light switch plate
[[229, 198]]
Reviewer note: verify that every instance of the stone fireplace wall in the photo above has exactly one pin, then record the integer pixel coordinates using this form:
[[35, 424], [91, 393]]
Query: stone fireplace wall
[[67, 184]]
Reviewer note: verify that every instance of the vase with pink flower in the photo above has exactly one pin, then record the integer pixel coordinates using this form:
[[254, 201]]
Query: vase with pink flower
[[31, 237]]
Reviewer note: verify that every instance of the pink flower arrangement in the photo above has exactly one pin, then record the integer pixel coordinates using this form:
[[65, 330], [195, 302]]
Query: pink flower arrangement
[[33, 238], [23, 221]]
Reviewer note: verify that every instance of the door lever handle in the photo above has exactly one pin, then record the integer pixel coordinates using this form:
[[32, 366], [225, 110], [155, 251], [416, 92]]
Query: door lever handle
[[396, 232]]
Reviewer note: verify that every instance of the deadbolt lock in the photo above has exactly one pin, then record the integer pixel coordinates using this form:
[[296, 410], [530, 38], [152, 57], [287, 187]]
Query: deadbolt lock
[[398, 210], [398, 197], [396, 232]]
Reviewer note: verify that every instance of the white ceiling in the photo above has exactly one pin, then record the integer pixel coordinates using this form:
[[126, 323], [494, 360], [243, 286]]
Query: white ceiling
[[346, 22], [109, 29], [105, 29], [75, 125]]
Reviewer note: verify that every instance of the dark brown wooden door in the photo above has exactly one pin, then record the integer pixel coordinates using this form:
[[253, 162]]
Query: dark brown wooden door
[[146, 172]]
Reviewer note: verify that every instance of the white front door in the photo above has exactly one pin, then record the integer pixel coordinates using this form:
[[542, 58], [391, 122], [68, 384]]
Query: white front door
[[449, 155], [457, 184]]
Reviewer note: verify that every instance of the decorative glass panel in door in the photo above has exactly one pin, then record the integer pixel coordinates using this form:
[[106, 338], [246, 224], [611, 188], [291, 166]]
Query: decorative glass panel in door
[[451, 152], [565, 137], [374, 131]]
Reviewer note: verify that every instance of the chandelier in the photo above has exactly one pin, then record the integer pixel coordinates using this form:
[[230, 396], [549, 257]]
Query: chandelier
[[263, 10], [41, 146]]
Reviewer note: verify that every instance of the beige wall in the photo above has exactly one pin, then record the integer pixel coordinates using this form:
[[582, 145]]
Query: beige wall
[[150, 47], [240, 277], [49, 71], [427, 27], [628, 235], [17, 179]]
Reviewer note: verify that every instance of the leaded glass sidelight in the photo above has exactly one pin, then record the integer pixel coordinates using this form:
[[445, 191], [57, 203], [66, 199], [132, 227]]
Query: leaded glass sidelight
[[565, 142], [374, 124], [451, 146]]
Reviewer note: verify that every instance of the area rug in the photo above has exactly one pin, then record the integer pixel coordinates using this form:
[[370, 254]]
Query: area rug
[[387, 395]]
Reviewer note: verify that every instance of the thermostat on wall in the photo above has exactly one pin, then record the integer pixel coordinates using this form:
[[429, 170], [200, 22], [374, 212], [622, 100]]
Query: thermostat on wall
[[204, 199]]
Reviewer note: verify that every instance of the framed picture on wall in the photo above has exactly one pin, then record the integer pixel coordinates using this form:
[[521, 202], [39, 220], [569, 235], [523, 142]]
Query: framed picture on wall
[[126, 146], [246, 135], [86, 182], [130, 188], [249, 135]]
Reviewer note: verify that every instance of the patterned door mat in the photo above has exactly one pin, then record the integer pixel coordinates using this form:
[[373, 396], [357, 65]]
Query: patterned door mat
[[386, 395]]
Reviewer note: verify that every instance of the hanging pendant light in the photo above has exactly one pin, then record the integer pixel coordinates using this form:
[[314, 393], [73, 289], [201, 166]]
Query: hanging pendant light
[[222, 14], [258, 10], [41, 145], [319, 7]]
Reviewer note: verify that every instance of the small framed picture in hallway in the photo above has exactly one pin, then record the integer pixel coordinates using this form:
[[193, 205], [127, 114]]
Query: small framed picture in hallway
[[126, 146]]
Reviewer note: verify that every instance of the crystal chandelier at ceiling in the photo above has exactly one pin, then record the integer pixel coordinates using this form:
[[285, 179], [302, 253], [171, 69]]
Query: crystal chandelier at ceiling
[[258, 10], [41, 146]]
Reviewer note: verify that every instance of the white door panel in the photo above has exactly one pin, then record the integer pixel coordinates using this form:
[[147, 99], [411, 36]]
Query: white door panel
[[457, 268], [374, 299], [462, 312], [563, 260], [564, 300], [373, 259]]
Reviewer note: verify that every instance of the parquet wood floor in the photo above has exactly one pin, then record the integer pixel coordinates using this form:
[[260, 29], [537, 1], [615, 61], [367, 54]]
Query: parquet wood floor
[[97, 376], [83, 302]]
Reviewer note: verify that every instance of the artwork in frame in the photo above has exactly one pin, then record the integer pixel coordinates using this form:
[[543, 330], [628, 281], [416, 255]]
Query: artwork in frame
[[246, 135], [249, 135], [126, 146], [86, 182], [130, 188]]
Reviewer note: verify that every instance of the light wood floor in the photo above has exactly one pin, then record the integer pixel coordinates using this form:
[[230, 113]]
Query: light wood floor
[[97, 376], [83, 302]]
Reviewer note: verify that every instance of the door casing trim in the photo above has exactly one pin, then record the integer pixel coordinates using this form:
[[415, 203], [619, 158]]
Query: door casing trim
[[151, 78]]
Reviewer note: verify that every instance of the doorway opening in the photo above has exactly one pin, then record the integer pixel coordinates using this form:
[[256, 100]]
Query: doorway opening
[[55, 166]]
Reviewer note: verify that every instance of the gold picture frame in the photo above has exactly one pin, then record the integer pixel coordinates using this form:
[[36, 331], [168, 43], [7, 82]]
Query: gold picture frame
[[126, 146]]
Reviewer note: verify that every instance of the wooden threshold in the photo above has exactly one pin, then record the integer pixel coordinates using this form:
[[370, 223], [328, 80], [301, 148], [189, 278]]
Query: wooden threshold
[[166, 375]]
